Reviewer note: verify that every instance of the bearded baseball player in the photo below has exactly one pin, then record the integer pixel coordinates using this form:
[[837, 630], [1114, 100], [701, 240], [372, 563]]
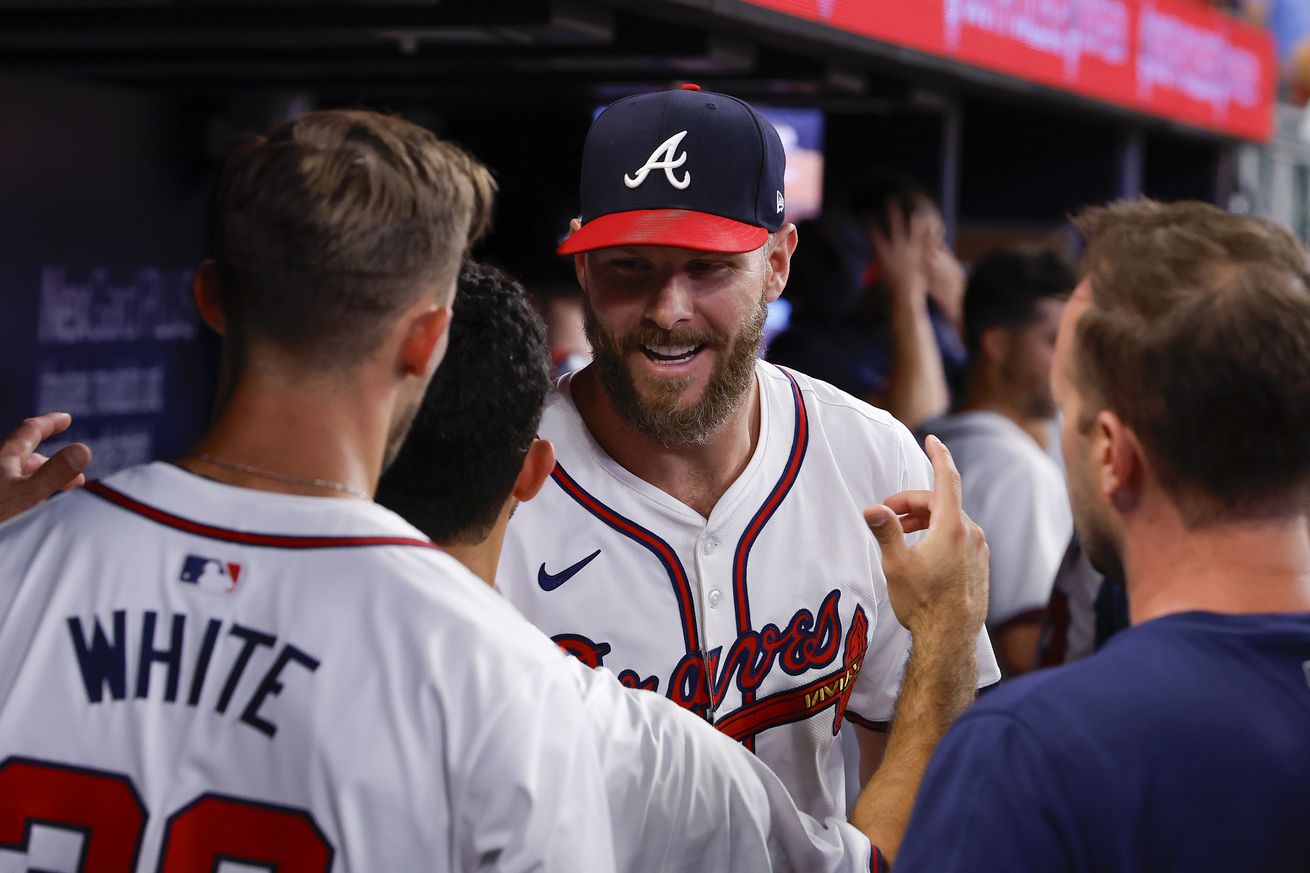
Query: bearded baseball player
[[682, 796], [240, 658], [702, 535]]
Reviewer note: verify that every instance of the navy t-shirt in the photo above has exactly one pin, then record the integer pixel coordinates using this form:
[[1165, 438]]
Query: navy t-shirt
[[1183, 745]]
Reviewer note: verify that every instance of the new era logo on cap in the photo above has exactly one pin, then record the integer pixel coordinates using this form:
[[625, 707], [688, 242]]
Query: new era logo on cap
[[686, 168]]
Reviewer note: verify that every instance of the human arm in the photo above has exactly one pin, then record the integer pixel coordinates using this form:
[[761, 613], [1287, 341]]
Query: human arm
[[938, 590], [946, 284], [1016, 642], [530, 788], [916, 387], [28, 477], [685, 797], [873, 748]]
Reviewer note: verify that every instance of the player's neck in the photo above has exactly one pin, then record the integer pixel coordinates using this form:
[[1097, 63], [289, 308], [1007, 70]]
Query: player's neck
[[980, 397], [299, 430], [1232, 567], [695, 475], [482, 558]]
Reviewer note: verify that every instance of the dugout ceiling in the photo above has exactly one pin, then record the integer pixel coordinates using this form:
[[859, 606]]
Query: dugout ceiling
[[844, 55]]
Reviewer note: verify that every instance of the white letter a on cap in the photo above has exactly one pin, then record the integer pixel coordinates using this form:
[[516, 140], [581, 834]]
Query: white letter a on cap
[[662, 159]]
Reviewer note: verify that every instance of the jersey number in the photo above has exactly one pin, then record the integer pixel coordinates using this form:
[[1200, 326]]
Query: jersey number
[[106, 809]]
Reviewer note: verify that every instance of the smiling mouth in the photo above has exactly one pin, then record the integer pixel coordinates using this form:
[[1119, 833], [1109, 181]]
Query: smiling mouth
[[671, 354]]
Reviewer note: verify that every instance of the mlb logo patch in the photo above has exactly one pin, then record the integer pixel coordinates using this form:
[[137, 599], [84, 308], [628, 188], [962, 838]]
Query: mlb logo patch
[[210, 574]]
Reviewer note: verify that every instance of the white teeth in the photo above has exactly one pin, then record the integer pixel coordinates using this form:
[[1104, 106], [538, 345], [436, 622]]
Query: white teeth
[[671, 351]]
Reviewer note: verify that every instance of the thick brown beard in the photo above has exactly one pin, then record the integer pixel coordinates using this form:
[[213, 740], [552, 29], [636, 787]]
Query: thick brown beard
[[659, 416]]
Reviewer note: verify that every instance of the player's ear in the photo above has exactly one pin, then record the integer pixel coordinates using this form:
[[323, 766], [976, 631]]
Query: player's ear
[[205, 290], [537, 464], [1120, 463], [778, 256], [994, 343], [580, 259], [427, 329]]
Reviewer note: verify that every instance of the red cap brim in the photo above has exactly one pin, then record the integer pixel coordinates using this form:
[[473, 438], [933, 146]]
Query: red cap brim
[[680, 228]]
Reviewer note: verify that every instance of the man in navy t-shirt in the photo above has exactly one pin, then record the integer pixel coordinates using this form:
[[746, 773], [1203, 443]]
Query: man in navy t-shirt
[[1183, 373]]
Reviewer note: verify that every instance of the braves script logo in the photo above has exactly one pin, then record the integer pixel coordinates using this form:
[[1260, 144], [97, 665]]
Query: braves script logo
[[810, 641], [663, 158]]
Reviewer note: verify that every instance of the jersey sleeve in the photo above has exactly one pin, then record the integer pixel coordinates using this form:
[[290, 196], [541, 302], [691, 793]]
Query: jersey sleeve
[[532, 794], [1028, 524], [685, 797], [874, 696], [990, 801]]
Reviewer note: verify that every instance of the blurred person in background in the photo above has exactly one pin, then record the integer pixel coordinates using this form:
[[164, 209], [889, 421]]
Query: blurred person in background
[[1289, 22], [878, 300], [561, 307], [999, 435], [1182, 372]]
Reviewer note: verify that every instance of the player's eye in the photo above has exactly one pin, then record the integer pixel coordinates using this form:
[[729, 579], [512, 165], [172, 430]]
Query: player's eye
[[627, 265], [706, 268]]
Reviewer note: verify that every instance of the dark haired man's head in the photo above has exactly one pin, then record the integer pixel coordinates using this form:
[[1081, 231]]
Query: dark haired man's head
[[1012, 309], [466, 452], [1184, 362]]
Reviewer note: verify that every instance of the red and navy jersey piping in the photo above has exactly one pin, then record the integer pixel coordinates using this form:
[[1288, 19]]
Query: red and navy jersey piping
[[246, 538], [651, 541], [799, 444]]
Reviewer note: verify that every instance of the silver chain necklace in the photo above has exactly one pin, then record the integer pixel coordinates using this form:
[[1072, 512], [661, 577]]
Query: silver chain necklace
[[339, 487]]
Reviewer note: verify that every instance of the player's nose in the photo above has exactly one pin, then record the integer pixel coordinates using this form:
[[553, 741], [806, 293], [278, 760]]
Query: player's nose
[[672, 304]]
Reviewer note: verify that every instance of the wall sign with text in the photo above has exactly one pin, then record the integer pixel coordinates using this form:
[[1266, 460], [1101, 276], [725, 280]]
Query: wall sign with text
[[1176, 59]]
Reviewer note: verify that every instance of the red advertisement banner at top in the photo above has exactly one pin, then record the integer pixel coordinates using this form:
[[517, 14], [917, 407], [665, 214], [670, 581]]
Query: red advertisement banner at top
[[1178, 59]]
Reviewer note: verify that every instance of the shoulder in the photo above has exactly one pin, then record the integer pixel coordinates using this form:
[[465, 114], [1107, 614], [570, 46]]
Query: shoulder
[[834, 411], [987, 446], [1117, 690]]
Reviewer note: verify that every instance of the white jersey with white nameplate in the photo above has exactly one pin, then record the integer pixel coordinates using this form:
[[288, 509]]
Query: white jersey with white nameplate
[[195, 676], [770, 618]]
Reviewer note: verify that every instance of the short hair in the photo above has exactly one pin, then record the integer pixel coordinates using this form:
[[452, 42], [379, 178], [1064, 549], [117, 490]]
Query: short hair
[[479, 416], [1005, 287], [335, 222], [876, 190], [1198, 337]]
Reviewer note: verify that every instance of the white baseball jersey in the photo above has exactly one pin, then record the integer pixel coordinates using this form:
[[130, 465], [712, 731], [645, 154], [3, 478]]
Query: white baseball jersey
[[1017, 495], [200, 677], [770, 618], [684, 798]]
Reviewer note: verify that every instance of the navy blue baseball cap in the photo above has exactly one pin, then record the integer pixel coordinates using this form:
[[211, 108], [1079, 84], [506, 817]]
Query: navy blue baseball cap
[[685, 168]]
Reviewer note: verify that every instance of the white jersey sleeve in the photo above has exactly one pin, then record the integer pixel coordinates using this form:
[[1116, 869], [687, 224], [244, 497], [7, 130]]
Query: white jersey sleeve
[[1016, 493], [685, 797], [873, 700]]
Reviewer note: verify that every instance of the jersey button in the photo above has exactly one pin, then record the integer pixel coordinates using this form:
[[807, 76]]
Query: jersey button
[[710, 546], [716, 597]]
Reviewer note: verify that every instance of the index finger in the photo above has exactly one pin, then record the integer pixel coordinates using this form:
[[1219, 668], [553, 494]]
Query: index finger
[[947, 490], [33, 431]]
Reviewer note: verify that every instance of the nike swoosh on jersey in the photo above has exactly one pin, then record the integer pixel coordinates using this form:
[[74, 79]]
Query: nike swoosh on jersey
[[551, 581]]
